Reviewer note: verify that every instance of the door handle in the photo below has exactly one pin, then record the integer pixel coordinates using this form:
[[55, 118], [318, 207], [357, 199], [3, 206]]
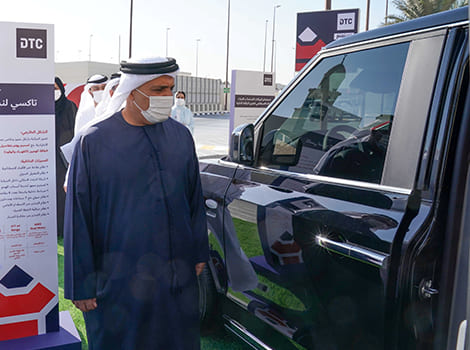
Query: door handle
[[211, 204], [352, 251]]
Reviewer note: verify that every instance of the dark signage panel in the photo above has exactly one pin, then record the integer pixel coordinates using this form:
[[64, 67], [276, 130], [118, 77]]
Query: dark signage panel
[[31, 43], [26, 99], [317, 29], [268, 79], [252, 101]]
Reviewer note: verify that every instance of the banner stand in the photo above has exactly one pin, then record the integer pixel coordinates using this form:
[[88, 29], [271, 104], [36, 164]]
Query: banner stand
[[251, 92], [29, 296], [67, 338]]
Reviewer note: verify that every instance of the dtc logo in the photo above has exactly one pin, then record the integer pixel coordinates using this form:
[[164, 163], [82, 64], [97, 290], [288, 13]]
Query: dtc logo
[[31, 43], [268, 80], [346, 21]]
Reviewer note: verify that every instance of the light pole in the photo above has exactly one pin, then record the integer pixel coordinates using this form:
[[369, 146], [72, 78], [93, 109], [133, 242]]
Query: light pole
[[367, 14], [89, 48], [226, 62], [197, 53], [119, 49], [265, 38], [327, 4], [130, 30], [167, 29], [386, 12], [274, 26]]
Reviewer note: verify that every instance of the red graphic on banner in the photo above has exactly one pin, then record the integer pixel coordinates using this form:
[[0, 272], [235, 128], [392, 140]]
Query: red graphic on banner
[[307, 52], [75, 94], [18, 330], [29, 303]]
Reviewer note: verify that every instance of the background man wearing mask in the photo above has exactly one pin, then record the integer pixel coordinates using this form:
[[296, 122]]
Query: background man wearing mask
[[91, 96], [135, 227], [182, 113], [108, 92], [65, 112]]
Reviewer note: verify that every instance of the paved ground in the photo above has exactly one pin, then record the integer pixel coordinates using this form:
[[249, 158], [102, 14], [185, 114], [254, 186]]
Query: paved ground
[[211, 134]]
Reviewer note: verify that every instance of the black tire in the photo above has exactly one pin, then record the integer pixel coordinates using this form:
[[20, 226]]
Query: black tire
[[208, 301]]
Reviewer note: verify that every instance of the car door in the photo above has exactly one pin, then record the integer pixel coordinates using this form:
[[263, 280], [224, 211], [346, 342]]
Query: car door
[[455, 310], [317, 214]]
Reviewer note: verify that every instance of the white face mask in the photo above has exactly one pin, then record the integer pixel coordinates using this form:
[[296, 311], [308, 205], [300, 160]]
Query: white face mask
[[159, 108], [98, 95], [180, 102], [57, 94]]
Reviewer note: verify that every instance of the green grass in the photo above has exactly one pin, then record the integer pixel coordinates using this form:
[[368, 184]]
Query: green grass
[[248, 236], [250, 243], [215, 341], [65, 304]]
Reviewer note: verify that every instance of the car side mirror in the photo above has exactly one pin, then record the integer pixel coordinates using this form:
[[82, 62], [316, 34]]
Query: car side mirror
[[241, 144]]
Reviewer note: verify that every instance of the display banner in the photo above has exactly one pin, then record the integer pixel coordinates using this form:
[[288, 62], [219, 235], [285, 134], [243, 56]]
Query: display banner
[[251, 93], [319, 28], [28, 232]]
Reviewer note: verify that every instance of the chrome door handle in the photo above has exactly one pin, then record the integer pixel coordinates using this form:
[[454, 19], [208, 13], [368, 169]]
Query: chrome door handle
[[352, 251], [211, 204]]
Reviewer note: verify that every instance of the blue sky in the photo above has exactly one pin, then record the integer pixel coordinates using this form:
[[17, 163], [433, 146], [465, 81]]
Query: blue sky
[[107, 20]]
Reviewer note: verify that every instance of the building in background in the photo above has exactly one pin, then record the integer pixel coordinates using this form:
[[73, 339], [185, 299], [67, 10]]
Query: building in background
[[78, 72], [203, 95]]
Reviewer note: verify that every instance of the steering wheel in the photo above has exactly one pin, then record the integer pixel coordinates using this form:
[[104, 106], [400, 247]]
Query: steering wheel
[[336, 132]]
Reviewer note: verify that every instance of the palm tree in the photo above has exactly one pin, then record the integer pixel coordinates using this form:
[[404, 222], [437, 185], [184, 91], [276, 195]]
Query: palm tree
[[417, 8]]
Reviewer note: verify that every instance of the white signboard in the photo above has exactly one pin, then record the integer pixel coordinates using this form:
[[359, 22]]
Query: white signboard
[[28, 232], [251, 93], [346, 21]]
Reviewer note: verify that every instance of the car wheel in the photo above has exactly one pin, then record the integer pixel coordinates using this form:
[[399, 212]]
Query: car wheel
[[208, 300]]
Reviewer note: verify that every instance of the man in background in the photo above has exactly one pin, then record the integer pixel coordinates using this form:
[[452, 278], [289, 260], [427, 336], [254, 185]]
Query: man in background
[[91, 96], [108, 92]]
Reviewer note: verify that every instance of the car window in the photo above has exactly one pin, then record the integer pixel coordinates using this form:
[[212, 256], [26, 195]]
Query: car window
[[337, 120]]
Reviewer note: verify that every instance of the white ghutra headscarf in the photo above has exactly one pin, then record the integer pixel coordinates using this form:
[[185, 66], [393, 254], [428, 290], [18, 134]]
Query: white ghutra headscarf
[[134, 73], [86, 109], [103, 105]]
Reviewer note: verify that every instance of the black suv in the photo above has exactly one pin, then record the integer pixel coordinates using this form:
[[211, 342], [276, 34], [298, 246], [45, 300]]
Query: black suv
[[337, 221]]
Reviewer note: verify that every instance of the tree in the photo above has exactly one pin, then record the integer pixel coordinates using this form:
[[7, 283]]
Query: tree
[[417, 8]]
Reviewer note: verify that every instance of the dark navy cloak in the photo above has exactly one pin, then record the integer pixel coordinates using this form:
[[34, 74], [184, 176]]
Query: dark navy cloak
[[135, 228], [65, 111]]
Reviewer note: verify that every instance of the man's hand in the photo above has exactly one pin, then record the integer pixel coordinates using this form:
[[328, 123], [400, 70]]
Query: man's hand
[[85, 305], [199, 268]]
